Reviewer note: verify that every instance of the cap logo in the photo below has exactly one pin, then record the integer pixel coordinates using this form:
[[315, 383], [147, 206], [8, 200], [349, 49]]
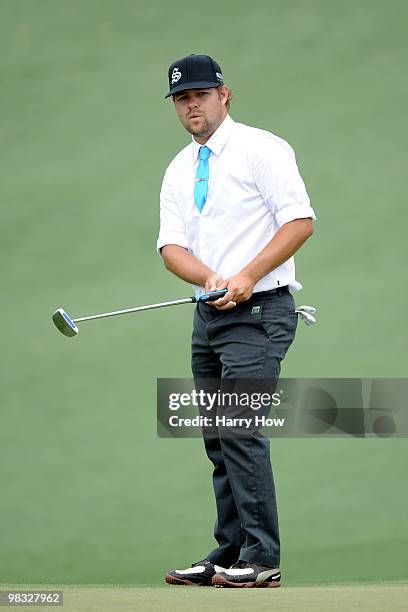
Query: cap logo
[[175, 75], [219, 76]]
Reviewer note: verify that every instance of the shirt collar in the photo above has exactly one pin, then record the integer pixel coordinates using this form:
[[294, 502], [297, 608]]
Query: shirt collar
[[218, 140]]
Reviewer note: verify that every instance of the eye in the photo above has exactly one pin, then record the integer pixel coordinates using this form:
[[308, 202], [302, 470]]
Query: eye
[[203, 93]]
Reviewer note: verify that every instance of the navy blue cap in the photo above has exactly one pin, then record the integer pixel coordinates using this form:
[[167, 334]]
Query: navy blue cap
[[194, 72]]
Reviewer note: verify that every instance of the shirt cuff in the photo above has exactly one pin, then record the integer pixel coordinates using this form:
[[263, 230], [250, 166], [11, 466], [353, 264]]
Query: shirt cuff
[[295, 211], [171, 238]]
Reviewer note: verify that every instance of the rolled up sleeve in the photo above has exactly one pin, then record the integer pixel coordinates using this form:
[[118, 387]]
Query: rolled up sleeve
[[279, 181], [172, 226]]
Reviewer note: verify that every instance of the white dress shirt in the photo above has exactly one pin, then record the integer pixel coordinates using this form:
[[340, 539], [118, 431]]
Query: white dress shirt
[[254, 188]]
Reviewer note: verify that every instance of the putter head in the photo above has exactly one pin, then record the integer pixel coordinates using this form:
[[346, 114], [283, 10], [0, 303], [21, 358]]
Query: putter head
[[64, 323]]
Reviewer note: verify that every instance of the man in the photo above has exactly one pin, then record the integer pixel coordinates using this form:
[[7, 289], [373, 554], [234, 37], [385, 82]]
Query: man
[[233, 211]]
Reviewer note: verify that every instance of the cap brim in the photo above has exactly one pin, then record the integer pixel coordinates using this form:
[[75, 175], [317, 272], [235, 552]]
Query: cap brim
[[196, 85]]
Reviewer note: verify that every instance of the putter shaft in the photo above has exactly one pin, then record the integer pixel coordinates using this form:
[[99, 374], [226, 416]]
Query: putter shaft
[[137, 309]]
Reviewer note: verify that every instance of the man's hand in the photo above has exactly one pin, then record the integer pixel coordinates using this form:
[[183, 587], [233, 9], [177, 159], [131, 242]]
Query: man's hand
[[240, 288], [214, 282]]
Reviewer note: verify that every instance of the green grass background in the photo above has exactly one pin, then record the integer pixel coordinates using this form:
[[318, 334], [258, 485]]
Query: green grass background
[[88, 494]]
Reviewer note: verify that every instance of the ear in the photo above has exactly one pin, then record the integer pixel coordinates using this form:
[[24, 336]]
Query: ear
[[224, 93]]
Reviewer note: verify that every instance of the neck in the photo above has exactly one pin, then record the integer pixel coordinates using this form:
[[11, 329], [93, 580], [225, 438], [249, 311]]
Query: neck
[[202, 140]]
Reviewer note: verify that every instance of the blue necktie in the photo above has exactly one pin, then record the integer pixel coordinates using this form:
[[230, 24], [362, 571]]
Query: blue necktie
[[201, 182]]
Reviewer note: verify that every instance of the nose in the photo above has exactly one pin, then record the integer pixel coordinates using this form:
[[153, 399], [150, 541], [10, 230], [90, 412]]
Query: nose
[[193, 102]]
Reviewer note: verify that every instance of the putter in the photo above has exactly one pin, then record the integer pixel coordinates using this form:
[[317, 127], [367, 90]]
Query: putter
[[67, 326]]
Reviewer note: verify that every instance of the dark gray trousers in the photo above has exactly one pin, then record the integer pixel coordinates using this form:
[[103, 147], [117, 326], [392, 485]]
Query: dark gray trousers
[[246, 342]]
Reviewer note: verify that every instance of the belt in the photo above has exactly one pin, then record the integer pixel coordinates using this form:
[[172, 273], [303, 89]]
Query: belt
[[278, 291]]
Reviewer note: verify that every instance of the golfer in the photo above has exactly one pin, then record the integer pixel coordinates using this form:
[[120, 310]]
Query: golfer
[[233, 211]]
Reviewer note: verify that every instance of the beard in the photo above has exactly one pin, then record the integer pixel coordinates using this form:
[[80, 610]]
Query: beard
[[203, 129]]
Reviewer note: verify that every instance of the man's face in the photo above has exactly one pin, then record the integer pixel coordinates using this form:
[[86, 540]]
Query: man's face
[[201, 111]]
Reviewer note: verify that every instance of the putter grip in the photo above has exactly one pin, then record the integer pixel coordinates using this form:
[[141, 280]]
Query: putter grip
[[211, 296]]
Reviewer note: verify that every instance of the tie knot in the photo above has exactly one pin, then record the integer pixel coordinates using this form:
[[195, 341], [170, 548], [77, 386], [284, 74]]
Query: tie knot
[[204, 153]]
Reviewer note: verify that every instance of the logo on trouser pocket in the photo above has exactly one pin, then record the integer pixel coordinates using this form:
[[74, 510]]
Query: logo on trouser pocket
[[255, 310]]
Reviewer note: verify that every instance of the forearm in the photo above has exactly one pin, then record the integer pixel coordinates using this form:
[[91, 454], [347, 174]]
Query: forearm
[[186, 266], [287, 240]]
